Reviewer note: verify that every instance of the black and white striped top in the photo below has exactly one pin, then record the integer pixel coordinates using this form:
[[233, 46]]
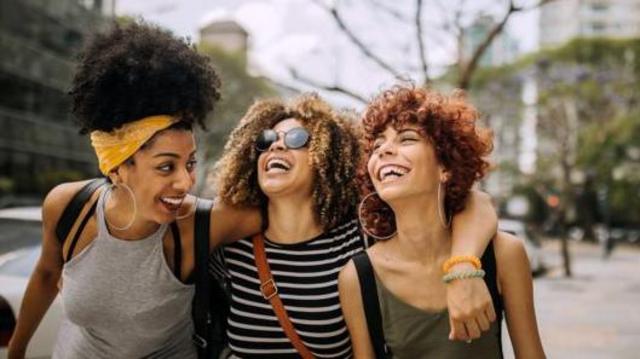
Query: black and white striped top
[[306, 275]]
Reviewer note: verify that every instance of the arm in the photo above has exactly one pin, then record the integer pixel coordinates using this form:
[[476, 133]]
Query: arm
[[42, 288], [473, 228], [353, 312], [469, 302], [230, 223], [514, 280]]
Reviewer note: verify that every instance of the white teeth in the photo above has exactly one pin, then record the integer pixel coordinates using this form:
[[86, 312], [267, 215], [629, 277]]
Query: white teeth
[[172, 200], [391, 171], [278, 164]]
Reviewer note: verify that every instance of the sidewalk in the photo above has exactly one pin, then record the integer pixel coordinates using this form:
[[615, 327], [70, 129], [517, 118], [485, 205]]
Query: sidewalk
[[594, 314]]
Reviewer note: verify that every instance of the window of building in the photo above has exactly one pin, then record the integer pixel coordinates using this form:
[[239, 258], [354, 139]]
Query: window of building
[[598, 27], [598, 6]]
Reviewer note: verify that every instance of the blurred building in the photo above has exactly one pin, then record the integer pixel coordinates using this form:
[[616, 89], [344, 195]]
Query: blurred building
[[222, 31], [39, 40], [503, 50], [561, 21], [225, 34]]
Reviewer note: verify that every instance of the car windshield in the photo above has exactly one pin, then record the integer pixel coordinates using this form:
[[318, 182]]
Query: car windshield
[[17, 233], [19, 263], [20, 237]]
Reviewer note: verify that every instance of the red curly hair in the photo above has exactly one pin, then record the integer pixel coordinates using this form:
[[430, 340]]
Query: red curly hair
[[448, 122]]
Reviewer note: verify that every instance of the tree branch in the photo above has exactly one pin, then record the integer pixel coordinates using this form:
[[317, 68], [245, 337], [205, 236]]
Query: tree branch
[[469, 69], [289, 87], [420, 39], [456, 23], [333, 11], [332, 88], [390, 11]]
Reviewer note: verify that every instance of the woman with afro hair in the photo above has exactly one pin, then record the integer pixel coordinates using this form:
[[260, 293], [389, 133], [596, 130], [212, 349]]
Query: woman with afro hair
[[423, 153], [297, 161], [125, 278]]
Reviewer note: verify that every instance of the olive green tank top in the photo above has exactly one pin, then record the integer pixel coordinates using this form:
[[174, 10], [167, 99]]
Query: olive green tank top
[[413, 333]]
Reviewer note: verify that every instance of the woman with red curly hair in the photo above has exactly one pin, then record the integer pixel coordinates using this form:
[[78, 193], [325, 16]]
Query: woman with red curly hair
[[423, 153]]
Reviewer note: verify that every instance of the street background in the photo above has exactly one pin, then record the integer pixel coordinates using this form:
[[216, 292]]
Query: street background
[[556, 81], [593, 314]]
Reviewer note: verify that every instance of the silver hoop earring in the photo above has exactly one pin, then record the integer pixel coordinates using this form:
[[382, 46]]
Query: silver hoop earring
[[135, 207], [441, 208], [362, 224]]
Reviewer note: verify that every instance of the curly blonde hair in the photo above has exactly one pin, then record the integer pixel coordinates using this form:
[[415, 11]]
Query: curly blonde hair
[[334, 153]]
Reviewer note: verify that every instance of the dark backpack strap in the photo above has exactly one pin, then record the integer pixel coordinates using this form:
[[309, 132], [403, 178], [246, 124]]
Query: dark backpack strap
[[201, 314], [491, 280], [177, 249], [73, 209], [369, 293], [76, 236]]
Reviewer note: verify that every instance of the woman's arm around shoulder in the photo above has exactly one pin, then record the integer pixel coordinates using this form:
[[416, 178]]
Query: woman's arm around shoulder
[[353, 312], [231, 223], [43, 284], [516, 286], [469, 302]]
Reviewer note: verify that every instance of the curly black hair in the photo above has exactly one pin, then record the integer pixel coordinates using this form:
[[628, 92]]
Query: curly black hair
[[139, 70]]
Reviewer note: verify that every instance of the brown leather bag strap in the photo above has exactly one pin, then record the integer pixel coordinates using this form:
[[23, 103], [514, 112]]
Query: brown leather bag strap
[[269, 290]]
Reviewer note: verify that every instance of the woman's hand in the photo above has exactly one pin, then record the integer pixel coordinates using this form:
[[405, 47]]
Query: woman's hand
[[470, 306]]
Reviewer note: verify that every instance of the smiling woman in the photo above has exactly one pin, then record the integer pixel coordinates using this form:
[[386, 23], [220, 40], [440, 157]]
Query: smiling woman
[[297, 162], [125, 270], [424, 153]]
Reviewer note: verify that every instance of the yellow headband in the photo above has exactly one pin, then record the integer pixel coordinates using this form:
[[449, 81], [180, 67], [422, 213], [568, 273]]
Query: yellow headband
[[113, 148]]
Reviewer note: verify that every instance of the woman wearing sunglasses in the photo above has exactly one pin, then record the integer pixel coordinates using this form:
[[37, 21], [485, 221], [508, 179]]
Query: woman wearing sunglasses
[[424, 152], [297, 161]]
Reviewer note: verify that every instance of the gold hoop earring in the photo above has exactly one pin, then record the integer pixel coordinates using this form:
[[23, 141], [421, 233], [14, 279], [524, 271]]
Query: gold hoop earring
[[362, 224], [441, 208], [135, 206]]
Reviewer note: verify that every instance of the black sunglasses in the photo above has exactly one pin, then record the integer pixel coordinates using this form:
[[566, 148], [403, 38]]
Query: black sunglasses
[[294, 138]]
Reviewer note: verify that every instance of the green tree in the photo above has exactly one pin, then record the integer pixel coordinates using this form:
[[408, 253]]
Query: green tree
[[587, 126], [612, 152]]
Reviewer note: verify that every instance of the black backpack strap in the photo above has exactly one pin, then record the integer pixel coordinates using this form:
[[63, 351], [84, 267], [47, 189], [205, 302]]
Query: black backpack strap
[[489, 265], [76, 236], [369, 293], [491, 280], [73, 209], [201, 314], [177, 250]]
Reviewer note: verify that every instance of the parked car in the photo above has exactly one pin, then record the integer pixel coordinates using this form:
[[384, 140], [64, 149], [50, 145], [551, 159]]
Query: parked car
[[531, 244], [20, 235]]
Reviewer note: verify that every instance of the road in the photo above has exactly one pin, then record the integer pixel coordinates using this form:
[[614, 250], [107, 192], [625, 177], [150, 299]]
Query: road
[[595, 313]]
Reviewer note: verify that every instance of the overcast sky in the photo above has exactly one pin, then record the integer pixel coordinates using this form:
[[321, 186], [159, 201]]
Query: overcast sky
[[297, 33], [185, 17]]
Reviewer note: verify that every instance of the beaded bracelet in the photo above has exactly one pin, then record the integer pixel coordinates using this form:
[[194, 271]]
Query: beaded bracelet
[[446, 267], [450, 277]]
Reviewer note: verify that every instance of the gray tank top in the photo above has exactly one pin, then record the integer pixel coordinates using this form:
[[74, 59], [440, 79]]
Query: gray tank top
[[412, 333], [121, 300]]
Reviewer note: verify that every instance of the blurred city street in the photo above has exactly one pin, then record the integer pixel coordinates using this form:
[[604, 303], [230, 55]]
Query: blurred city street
[[594, 314], [555, 82]]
